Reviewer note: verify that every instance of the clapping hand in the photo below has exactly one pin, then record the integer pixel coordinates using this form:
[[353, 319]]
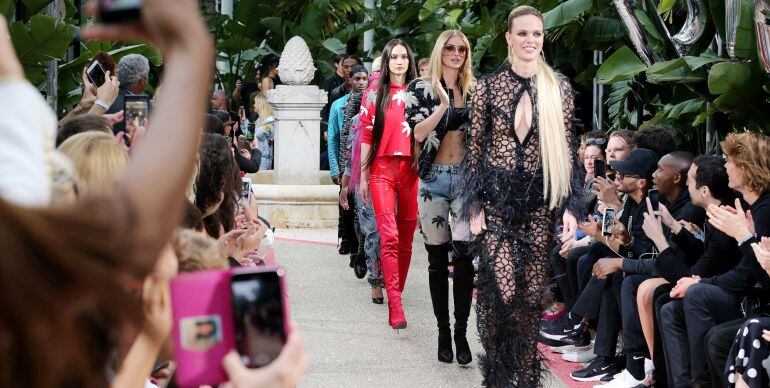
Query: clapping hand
[[734, 222], [762, 251]]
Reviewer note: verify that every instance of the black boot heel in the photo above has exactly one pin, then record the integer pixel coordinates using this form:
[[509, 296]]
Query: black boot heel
[[445, 345]]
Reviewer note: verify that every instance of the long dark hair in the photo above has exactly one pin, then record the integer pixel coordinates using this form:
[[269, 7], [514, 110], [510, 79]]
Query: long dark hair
[[383, 93], [217, 176]]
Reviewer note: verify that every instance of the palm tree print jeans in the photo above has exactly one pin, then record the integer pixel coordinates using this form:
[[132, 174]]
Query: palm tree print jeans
[[439, 203], [368, 225]]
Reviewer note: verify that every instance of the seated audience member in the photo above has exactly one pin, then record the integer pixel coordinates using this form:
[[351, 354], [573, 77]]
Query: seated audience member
[[564, 257], [670, 179], [634, 177], [99, 160], [705, 313], [747, 364], [682, 253], [655, 138], [64, 180], [619, 147], [595, 138], [80, 124]]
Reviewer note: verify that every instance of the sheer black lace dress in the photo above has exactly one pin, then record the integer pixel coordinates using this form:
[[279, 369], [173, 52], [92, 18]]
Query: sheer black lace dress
[[505, 179]]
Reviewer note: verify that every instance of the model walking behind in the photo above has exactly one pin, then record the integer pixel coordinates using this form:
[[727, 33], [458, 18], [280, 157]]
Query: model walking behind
[[388, 178], [519, 174], [436, 108]]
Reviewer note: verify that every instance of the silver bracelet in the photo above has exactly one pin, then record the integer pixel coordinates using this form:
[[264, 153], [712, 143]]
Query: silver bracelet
[[103, 104]]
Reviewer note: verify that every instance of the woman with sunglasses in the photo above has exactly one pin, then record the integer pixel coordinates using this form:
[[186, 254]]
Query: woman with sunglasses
[[598, 138], [388, 178], [437, 110], [520, 174]]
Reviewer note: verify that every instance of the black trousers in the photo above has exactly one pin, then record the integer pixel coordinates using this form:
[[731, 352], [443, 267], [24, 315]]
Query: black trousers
[[684, 324], [719, 340], [346, 226], [633, 336], [565, 273], [660, 297], [609, 321]]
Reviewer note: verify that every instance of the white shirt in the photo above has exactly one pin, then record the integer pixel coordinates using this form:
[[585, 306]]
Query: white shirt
[[27, 130]]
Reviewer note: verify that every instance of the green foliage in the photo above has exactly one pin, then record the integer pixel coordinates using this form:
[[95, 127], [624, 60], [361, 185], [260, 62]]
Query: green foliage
[[677, 92]]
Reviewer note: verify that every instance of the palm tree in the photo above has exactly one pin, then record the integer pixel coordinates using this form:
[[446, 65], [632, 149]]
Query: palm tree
[[439, 221], [425, 195]]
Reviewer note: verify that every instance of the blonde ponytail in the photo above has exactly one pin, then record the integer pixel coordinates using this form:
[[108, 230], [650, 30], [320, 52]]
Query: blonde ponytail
[[554, 150]]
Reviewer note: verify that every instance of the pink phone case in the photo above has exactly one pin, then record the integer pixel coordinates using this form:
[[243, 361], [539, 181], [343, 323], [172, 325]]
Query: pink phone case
[[203, 326]]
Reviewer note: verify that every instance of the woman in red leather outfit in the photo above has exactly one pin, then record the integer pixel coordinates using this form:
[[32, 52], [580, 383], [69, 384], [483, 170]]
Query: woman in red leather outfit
[[388, 171]]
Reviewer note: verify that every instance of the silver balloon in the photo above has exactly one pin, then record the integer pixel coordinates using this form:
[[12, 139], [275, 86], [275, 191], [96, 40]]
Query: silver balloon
[[762, 24], [635, 30], [732, 19], [693, 28]]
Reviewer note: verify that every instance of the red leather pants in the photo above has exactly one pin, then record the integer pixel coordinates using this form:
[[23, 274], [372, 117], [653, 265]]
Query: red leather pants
[[393, 184]]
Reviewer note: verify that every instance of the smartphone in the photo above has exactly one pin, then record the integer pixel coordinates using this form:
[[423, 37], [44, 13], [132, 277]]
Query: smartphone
[[250, 132], [245, 190], [96, 73], [136, 110], [600, 168], [202, 326], [160, 364], [608, 222], [654, 196], [120, 11], [259, 313]]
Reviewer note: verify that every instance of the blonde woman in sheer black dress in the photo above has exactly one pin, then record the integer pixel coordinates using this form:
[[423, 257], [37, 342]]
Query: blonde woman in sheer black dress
[[521, 174]]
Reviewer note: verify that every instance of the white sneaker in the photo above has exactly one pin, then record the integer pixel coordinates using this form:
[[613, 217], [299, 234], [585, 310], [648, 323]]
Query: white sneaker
[[566, 348], [581, 354], [625, 380]]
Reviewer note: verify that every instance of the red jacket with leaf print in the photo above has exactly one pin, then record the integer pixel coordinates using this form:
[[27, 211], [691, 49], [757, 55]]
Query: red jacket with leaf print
[[396, 134]]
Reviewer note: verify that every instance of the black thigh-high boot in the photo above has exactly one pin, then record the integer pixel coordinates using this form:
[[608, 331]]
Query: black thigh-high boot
[[438, 273], [463, 295]]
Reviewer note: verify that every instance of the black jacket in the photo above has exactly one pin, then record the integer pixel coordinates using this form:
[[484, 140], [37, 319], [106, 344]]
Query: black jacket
[[748, 272], [250, 165], [681, 209], [717, 254]]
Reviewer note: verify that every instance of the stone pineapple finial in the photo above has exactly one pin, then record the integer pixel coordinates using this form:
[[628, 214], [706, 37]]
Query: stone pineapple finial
[[296, 64]]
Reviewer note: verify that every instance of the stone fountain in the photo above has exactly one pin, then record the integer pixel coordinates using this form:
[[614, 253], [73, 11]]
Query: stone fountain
[[296, 194]]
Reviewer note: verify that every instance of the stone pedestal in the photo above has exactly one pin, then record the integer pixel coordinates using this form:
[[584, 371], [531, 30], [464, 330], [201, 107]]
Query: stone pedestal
[[297, 136], [296, 194]]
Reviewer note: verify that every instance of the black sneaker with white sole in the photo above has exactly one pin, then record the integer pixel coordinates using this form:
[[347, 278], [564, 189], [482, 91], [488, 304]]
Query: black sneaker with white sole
[[601, 366], [619, 365], [563, 322]]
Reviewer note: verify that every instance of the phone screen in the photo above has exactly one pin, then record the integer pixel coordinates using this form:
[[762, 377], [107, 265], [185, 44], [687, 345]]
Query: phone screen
[[245, 189], [600, 168], [259, 316], [96, 74], [119, 11], [654, 196], [136, 110], [608, 222]]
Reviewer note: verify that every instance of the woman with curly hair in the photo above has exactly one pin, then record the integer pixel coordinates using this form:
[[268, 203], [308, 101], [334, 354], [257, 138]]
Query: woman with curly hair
[[217, 185], [437, 110]]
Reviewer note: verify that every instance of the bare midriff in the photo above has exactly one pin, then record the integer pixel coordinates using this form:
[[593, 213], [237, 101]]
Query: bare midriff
[[452, 148]]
